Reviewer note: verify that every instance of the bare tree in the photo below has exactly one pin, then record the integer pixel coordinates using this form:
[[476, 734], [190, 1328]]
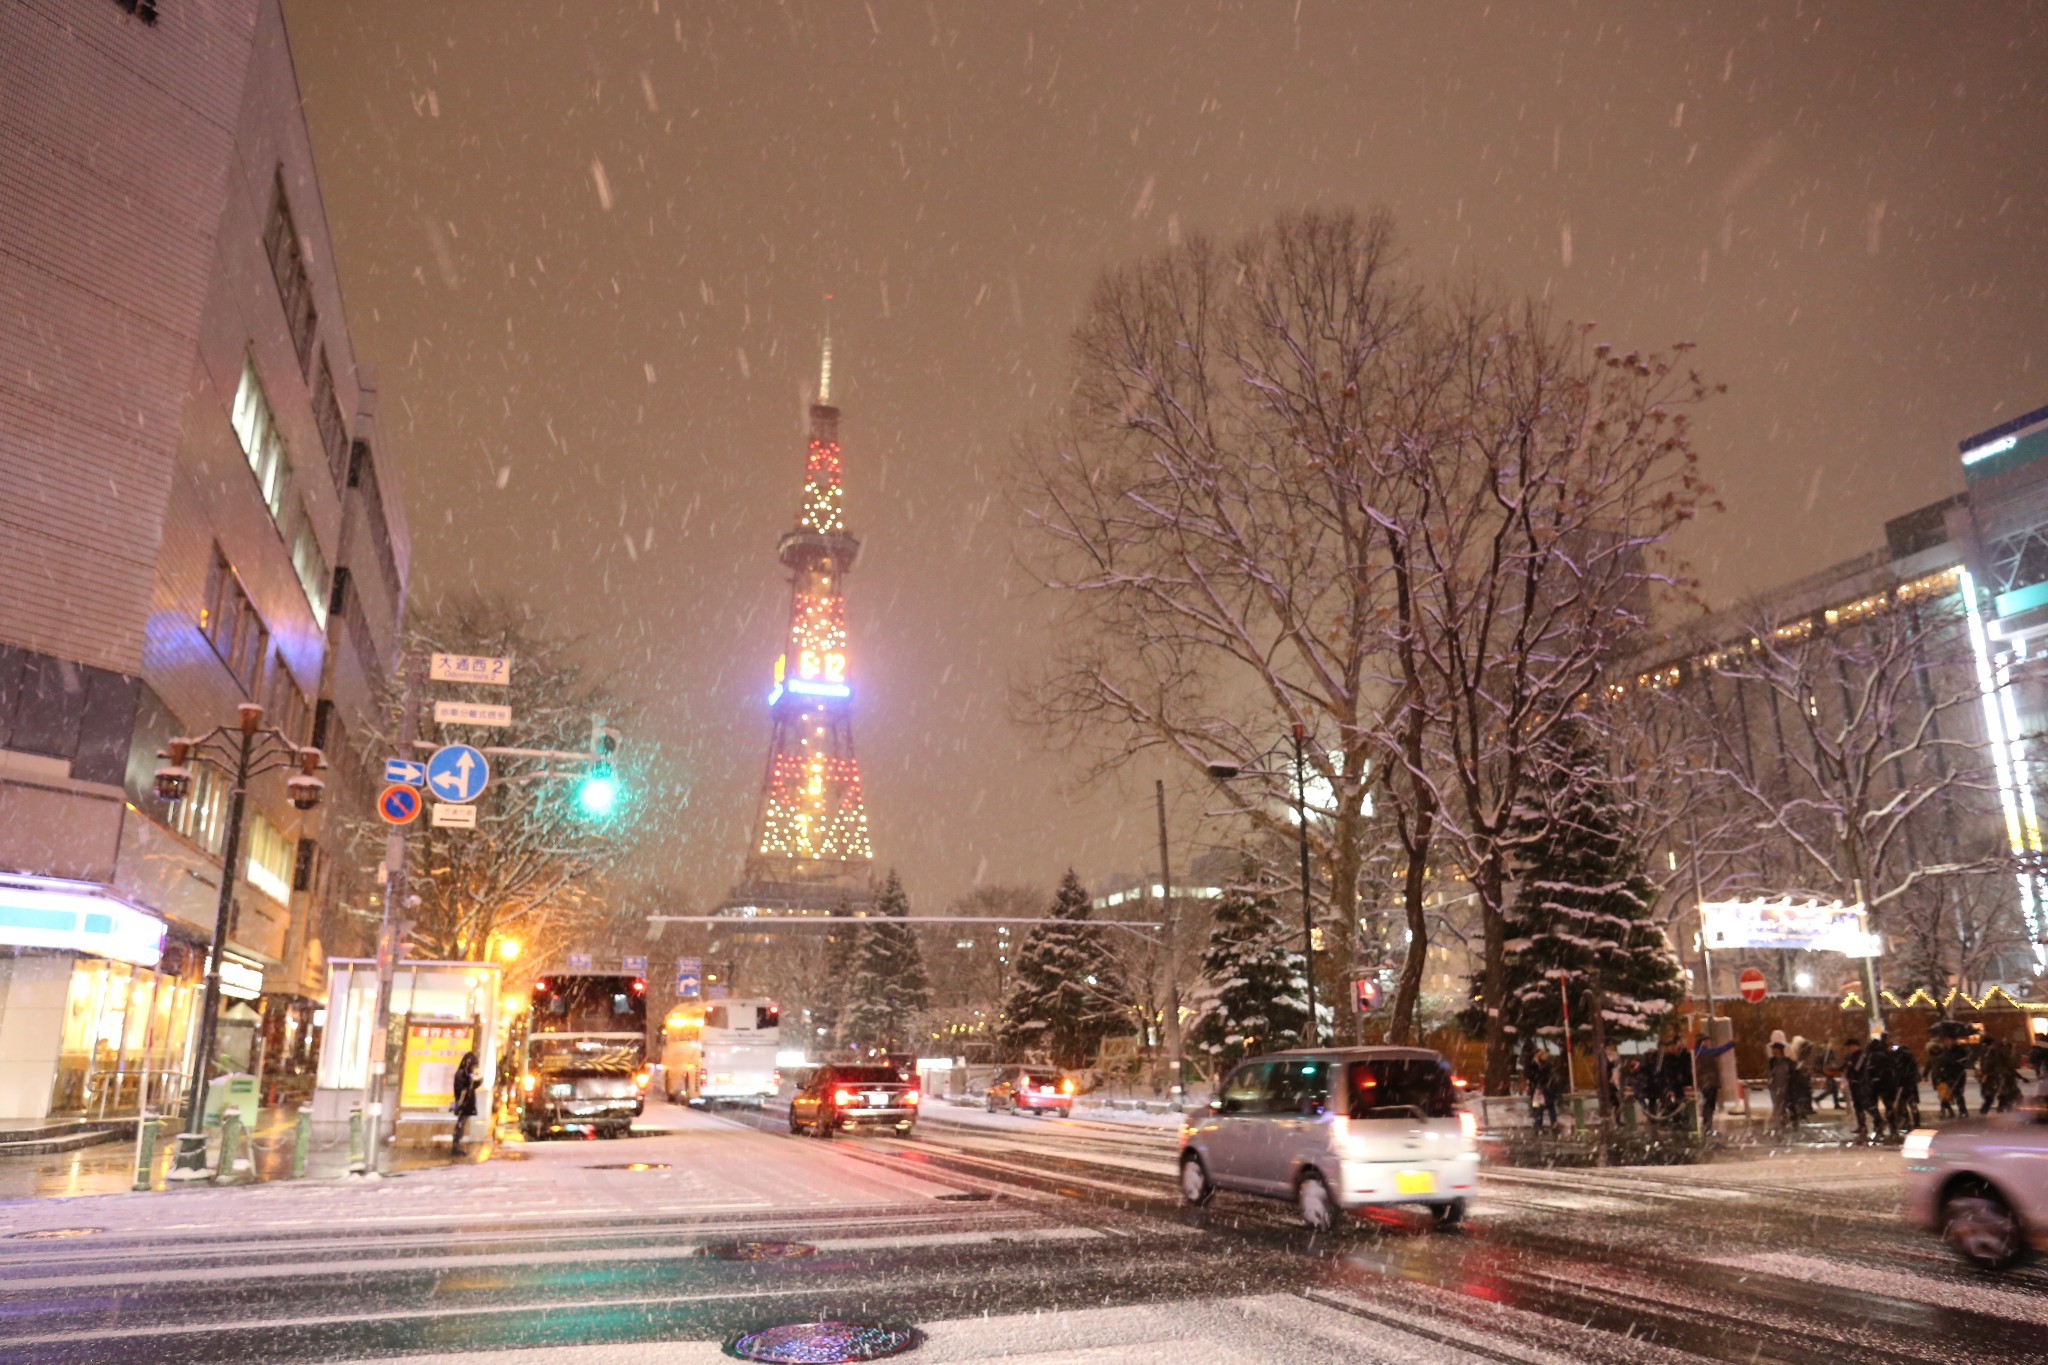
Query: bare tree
[[1294, 488], [1203, 516], [533, 867], [1848, 734]]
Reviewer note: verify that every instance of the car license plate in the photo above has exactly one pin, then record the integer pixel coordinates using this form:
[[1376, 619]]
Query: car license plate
[[1414, 1182], [878, 1099]]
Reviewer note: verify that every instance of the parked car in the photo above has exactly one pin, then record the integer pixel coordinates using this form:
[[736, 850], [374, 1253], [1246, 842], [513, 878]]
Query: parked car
[[847, 1096], [1337, 1129], [1030, 1090], [1982, 1186]]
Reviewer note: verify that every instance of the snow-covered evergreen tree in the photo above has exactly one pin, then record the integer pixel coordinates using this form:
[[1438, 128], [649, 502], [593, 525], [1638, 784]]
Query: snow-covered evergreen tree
[[1260, 992], [1069, 993], [1582, 907], [887, 987]]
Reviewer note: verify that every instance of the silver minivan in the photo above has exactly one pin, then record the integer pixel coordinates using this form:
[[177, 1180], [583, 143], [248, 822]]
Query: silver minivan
[[1335, 1129]]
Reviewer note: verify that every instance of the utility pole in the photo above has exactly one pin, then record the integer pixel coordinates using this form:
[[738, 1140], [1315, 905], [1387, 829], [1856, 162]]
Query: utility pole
[[390, 937], [1170, 915], [1312, 1032]]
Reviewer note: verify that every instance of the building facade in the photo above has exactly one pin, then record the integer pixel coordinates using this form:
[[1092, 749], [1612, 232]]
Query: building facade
[[1902, 693], [195, 514]]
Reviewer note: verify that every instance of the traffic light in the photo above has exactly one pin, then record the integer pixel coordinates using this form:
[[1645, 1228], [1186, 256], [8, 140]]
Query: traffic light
[[598, 792]]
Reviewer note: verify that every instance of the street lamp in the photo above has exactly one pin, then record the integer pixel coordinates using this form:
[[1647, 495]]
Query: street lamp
[[1225, 771], [240, 751]]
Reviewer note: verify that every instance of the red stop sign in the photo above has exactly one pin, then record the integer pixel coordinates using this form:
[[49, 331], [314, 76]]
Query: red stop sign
[[1751, 984]]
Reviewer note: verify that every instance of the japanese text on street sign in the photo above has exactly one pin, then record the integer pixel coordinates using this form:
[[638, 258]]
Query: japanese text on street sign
[[635, 966], [457, 772], [470, 668], [579, 962], [454, 815], [689, 978], [399, 804], [470, 713]]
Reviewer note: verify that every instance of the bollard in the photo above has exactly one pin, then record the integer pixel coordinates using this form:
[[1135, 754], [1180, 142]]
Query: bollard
[[358, 1162], [302, 1142], [145, 1150], [228, 1169]]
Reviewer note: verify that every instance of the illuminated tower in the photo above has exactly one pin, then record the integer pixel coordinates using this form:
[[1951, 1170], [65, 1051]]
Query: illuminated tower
[[810, 850]]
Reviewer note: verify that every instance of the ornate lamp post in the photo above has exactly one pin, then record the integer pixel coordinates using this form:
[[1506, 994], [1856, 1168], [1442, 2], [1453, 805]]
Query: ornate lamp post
[[240, 752], [1224, 772]]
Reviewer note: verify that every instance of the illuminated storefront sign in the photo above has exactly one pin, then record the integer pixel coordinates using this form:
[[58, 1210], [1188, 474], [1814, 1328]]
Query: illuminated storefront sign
[[1811, 926], [240, 980], [49, 912]]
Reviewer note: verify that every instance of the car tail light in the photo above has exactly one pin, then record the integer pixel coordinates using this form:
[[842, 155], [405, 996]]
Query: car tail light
[[910, 1097], [1067, 1085], [643, 1078], [528, 1081], [1460, 1082], [842, 1097], [1468, 1125]]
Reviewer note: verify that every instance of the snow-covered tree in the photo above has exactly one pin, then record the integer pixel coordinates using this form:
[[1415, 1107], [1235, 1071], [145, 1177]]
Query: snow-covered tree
[[1581, 922], [1069, 993], [534, 867], [886, 987], [1259, 989]]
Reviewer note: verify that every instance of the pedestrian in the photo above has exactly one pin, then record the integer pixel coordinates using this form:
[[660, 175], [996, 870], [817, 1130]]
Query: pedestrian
[[1706, 1073], [1674, 1065], [464, 1107], [1542, 1084], [2037, 1057], [1946, 1069], [1898, 1084], [1859, 1076], [1781, 1074], [1802, 1080], [1998, 1077], [1831, 1074]]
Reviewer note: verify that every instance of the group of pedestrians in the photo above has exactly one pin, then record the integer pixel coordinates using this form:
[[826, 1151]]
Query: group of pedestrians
[[1880, 1080]]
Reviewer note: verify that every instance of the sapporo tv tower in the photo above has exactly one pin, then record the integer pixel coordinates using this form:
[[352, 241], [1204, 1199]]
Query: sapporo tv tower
[[810, 851]]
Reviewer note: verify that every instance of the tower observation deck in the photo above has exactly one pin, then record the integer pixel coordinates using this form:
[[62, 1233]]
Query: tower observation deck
[[810, 851]]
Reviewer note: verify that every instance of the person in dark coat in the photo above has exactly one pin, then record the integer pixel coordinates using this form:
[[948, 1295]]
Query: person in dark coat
[[1706, 1070], [1781, 1074], [464, 1107], [2037, 1057], [1998, 1077], [1946, 1068], [1542, 1080], [1675, 1075], [1859, 1076], [1898, 1084]]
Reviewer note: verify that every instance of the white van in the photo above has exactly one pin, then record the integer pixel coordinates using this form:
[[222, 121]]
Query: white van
[[1336, 1129]]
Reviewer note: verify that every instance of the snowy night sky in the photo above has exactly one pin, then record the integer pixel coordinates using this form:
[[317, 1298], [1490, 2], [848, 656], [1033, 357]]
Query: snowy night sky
[[587, 245]]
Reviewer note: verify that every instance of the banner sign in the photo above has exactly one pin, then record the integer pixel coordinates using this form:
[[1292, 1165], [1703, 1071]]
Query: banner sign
[[1811, 926], [432, 1052]]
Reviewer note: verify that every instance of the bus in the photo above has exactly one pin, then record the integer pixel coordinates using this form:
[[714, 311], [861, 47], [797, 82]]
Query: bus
[[584, 1060], [721, 1050]]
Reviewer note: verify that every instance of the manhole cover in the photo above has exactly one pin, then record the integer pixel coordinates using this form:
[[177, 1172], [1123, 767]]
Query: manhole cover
[[969, 1197], [51, 1234], [758, 1251], [825, 1341], [629, 1166]]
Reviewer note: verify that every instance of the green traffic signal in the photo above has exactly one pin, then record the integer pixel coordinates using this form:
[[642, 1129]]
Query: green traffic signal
[[598, 792]]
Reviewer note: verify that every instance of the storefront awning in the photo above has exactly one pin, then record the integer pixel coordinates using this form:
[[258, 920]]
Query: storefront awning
[[82, 917]]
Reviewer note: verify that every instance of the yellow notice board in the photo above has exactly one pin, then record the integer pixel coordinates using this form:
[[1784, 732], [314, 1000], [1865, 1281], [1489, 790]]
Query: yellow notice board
[[432, 1052]]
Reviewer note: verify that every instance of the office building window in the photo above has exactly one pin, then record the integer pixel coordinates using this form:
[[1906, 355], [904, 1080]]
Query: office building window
[[288, 268], [327, 416], [256, 429], [270, 860], [230, 621], [203, 815]]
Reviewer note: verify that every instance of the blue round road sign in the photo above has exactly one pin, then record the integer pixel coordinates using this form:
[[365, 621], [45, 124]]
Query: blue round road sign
[[457, 772], [399, 804]]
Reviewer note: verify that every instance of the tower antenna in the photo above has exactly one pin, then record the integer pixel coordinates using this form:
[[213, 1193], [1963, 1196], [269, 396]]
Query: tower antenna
[[825, 369]]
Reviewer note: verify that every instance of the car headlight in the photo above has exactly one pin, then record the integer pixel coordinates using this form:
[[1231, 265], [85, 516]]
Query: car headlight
[[1919, 1144]]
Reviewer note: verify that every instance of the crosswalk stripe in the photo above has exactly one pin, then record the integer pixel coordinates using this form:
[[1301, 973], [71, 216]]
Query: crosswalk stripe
[[1935, 1290]]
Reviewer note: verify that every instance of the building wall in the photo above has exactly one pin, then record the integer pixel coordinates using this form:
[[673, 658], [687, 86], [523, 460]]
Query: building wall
[[33, 988]]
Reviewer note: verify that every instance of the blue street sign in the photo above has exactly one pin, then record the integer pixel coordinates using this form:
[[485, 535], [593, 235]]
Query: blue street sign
[[689, 978], [405, 770], [636, 966], [579, 962], [399, 804], [457, 772]]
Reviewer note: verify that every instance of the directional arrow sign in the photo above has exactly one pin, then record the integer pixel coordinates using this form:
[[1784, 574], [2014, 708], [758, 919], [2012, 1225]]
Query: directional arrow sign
[[405, 770], [457, 772], [689, 978]]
